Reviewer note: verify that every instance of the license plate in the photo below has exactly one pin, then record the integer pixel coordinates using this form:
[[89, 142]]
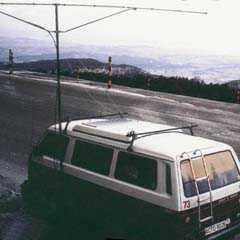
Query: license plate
[[217, 227]]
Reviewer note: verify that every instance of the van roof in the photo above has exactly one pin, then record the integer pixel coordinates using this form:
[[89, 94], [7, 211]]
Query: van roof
[[168, 145]]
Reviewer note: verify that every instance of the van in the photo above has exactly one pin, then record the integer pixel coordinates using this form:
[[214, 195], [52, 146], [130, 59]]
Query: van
[[137, 179]]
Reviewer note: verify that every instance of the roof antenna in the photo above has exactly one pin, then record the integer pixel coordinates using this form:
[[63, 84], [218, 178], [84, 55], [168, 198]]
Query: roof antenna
[[59, 101]]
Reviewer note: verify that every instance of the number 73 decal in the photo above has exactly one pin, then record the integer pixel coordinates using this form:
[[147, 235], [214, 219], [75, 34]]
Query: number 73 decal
[[186, 204]]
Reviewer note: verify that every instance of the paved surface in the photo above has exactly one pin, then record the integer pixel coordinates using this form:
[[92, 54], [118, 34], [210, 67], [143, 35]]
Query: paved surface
[[27, 107]]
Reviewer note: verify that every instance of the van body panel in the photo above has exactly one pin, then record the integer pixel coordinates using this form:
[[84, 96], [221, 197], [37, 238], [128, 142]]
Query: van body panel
[[124, 209], [159, 199]]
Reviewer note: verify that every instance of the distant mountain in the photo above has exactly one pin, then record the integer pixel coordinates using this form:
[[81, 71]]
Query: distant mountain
[[153, 59], [131, 76], [71, 65]]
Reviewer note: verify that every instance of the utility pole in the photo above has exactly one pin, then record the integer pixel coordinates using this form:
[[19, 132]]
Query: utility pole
[[10, 61], [109, 72], [59, 103]]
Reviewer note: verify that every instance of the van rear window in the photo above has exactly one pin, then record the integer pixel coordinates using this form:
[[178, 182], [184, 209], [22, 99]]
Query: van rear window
[[53, 145], [92, 157], [140, 171], [221, 169]]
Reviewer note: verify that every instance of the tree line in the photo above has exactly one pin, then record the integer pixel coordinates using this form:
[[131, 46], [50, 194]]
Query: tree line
[[176, 85]]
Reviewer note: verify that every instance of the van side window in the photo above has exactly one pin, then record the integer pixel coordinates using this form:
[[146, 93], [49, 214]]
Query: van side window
[[92, 157], [140, 171], [168, 179], [53, 145]]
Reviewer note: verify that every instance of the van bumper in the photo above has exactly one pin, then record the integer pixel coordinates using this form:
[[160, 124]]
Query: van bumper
[[199, 235], [231, 230]]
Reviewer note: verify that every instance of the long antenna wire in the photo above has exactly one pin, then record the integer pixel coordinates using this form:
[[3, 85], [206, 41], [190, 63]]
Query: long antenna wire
[[104, 6], [96, 20]]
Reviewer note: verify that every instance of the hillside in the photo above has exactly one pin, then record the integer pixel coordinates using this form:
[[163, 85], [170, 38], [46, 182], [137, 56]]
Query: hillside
[[210, 68], [70, 66], [131, 76]]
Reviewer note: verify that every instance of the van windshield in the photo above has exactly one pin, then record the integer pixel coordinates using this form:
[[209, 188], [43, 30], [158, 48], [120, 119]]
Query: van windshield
[[221, 169]]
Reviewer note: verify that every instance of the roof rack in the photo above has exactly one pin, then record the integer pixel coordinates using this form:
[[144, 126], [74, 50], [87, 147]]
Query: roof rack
[[120, 114], [136, 136]]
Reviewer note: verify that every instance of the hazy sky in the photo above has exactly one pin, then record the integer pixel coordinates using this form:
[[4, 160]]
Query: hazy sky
[[218, 32]]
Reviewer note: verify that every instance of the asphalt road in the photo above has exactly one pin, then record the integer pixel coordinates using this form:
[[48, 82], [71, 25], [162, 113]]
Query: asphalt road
[[27, 107]]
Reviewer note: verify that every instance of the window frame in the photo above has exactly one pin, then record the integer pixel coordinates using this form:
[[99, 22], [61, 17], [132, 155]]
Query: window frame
[[75, 139], [204, 155], [156, 189], [169, 167]]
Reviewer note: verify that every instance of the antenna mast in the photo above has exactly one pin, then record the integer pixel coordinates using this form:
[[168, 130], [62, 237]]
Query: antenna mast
[[59, 103]]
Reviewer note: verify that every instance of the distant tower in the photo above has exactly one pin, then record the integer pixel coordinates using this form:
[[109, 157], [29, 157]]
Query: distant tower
[[10, 61], [109, 83]]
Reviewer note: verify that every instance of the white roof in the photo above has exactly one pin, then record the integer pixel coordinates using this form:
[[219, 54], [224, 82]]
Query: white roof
[[169, 144]]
